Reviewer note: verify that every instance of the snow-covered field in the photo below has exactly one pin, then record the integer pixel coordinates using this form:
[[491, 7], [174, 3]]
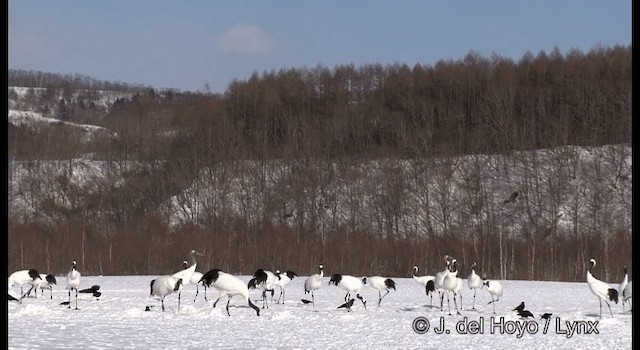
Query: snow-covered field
[[118, 320]]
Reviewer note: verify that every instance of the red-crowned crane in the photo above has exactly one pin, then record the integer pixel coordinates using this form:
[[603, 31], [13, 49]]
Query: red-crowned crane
[[600, 289]]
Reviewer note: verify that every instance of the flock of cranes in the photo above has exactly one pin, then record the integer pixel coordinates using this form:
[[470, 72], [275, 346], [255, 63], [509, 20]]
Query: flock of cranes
[[446, 283], [38, 281], [606, 293]]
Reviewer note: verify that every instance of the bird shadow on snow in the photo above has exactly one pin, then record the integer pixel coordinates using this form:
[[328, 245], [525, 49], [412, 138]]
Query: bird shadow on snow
[[420, 308], [412, 308], [431, 307]]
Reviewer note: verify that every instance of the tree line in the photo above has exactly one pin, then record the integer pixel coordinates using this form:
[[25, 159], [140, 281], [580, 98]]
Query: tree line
[[369, 169]]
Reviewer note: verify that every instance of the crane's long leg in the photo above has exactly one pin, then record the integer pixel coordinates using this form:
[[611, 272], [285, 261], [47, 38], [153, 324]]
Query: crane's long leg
[[29, 292], [364, 302], [456, 303], [281, 295], [600, 307]]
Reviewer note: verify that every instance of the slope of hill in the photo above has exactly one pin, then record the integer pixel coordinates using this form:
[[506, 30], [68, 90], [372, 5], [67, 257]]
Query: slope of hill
[[436, 194], [37, 99], [35, 120], [553, 198]]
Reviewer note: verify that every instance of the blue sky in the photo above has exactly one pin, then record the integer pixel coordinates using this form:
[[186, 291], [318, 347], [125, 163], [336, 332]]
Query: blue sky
[[186, 44]]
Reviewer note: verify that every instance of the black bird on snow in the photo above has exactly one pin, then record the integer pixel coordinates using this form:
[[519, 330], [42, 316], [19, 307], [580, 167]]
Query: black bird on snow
[[347, 305], [306, 301], [546, 315], [519, 308], [511, 198], [93, 290], [525, 313]]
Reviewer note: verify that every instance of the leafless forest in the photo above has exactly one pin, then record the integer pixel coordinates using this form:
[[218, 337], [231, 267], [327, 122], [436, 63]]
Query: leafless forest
[[367, 169]]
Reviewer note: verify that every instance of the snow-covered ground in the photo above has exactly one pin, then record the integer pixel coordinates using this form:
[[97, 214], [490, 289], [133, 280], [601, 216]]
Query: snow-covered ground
[[118, 320]]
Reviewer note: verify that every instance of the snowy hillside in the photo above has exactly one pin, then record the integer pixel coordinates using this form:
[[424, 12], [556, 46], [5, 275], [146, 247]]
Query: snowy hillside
[[197, 201], [35, 120], [511, 207], [22, 98], [214, 193]]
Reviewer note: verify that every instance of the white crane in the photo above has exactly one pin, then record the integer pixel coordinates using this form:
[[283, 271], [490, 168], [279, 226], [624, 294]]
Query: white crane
[[165, 285], [186, 274], [600, 289], [625, 289], [426, 281], [195, 279], [450, 284], [282, 279], [44, 282], [458, 289], [22, 278], [381, 284], [350, 284], [439, 279], [229, 286], [474, 281], [313, 283], [266, 280], [73, 282], [495, 289], [626, 294]]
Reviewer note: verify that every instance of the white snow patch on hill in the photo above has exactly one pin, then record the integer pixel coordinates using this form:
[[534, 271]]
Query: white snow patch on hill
[[35, 120]]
